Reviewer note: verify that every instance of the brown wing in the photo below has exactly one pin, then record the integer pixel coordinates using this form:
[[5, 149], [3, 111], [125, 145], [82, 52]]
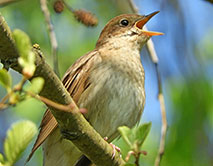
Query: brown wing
[[75, 80]]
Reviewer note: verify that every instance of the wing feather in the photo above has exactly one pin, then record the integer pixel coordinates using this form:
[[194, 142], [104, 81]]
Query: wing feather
[[75, 80]]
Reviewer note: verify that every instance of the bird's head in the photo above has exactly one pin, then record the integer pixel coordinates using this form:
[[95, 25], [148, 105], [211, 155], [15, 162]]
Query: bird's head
[[127, 28]]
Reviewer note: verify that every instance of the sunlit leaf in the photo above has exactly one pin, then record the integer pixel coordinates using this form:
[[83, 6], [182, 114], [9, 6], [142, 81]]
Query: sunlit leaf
[[1, 158], [23, 43], [17, 139], [14, 98], [126, 133], [129, 165], [141, 133], [24, 47], [36, 85], [5, 79]]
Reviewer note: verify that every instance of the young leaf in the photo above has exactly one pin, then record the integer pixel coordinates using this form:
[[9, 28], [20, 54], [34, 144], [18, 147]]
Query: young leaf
[[141, 133], [1, 158], [5, 79], [23, 43], [17, 139], [36, 85], [14, 98], [126, 133], [27, 57]]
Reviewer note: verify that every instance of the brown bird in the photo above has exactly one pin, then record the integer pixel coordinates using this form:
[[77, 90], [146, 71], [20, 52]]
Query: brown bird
[[108, 82]]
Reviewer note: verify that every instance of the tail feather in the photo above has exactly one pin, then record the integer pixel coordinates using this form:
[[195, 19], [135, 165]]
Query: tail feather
[[48, 124], [58, 150]]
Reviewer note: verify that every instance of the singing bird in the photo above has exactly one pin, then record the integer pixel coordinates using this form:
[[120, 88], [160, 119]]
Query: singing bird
[[108, 82]]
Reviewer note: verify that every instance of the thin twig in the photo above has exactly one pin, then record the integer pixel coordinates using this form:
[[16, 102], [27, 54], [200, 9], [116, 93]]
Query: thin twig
[[18, 87], [5, 98], [82, 135], [68, 6], [163, 130], [51, 103], [163, 119], [52, 36], [151, 49], [3, 101], [133, 6], [129, 154], [137, 158], [150, 45], [152, 53], [7, 2]]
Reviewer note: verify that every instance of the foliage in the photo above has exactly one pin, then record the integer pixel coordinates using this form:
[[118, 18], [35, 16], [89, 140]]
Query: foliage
[[18, 137], [5, 79], [35, 86], [27, 62], [188, 93], [27, 57], [135, 138], [188, 140]]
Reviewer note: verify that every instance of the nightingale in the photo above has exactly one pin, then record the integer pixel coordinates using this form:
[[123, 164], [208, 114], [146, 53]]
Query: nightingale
[[108, 82]]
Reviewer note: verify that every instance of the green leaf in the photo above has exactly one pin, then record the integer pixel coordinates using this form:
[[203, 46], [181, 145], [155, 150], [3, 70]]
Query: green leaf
[[24, 47], [5, 79], [14, 98], [126, 133], [36, 85], [17, 139], [1, 158], [23, 43], [129, 165], [141, 133]]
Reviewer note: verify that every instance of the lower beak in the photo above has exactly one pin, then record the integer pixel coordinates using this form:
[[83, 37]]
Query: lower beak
[[150, 33], [139, 24]]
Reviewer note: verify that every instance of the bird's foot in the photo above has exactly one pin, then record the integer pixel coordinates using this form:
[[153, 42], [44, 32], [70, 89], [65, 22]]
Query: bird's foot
[[115, 148]]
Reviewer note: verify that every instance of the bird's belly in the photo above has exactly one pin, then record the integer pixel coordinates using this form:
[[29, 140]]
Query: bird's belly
[[117, 102]]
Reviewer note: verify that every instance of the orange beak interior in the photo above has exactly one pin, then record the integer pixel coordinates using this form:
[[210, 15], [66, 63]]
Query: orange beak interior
[[139, 24]]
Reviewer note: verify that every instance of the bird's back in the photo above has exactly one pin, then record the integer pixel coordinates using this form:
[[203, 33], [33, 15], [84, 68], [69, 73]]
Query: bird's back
[[113, 97]]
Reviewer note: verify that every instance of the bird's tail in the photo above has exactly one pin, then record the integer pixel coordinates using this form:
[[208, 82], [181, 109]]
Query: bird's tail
[[58, 150]]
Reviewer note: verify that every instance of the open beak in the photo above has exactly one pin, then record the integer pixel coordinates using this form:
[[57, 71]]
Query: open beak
[[139, 24]]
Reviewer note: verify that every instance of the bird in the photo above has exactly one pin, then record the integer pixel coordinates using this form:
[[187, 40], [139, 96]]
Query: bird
[[108, 82]]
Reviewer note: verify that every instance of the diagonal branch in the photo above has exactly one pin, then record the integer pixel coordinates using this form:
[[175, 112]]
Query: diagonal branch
[[152, 53], [81, 133]]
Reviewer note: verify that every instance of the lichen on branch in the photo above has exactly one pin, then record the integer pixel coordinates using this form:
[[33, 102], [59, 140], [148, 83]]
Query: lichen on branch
[[88, 140]]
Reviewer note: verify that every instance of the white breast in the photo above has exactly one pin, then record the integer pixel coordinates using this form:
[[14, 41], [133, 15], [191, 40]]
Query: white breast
[[116, 96]]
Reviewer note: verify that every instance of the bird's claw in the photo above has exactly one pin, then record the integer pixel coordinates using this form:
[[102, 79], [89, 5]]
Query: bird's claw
[[115, 148]]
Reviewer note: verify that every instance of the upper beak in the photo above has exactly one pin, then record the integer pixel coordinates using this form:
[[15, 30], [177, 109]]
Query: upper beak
[[139, 24]]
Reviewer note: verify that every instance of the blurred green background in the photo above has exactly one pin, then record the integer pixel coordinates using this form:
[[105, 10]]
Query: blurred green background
[[185, 62]]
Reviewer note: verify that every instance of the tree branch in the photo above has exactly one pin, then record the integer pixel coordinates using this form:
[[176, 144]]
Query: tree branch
[[81, 133]]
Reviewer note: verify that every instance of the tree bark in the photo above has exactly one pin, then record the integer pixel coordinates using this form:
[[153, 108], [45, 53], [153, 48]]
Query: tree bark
[[81, 133]]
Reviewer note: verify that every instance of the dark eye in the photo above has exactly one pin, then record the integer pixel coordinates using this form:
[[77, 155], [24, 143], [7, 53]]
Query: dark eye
[[124, 22]]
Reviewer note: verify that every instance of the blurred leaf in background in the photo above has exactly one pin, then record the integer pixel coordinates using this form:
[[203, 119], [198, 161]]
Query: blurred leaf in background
[[185, 63], [190, 133], [5, 79], [18, 137]]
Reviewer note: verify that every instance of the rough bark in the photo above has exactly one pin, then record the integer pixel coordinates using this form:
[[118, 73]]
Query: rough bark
[[72, 123]]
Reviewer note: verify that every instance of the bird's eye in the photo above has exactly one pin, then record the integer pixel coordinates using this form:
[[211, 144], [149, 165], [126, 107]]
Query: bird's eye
[[124, 22]]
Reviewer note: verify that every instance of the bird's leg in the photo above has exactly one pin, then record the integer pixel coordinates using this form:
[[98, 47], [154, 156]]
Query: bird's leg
[[115, 148]]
